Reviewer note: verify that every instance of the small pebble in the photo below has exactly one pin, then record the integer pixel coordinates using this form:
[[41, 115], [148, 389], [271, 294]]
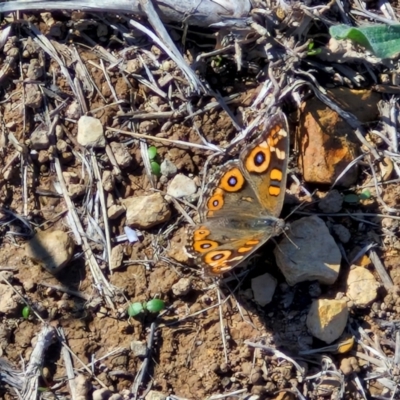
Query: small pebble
[[102, 394], [181, 186], [107, 180], [139, 349], [121, 154], [90, 132], [40, 140], [182, 287], [154, 395], [342, 233], [168, 168], [146, 211], [224, 368]]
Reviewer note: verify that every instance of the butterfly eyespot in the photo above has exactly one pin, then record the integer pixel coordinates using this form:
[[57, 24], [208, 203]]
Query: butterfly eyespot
[[232, 181], [216, 258], [203, 246], [259, 159], [200, 234], [215, 202]]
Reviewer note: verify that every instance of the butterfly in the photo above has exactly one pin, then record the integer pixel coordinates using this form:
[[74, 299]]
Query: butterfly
[[242, 202]]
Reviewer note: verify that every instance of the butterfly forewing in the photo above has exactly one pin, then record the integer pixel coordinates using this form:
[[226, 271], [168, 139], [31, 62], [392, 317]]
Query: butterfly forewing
[[264, 164]]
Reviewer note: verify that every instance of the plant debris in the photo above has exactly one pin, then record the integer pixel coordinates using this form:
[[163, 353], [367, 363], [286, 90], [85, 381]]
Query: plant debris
[[102, 108]]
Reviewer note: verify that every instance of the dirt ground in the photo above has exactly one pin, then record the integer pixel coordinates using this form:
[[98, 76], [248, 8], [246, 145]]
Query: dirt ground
[[199, 348]]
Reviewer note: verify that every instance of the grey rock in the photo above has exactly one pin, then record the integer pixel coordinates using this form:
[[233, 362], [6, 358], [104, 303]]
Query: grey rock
[[308, 253], [263, 287]]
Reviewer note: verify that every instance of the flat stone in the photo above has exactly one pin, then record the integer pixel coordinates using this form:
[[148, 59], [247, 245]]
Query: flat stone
[[181, 186], [116, 257], [121, 154], [308, 253], [40, 140], [115, 211], [90, 132], [361, 286], [327, 319], [138, 348], [52, 249], [263, 287], [327, 143], [146, 211]]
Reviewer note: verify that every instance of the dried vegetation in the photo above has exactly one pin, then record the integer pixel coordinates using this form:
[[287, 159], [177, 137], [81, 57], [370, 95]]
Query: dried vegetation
[[196, 94]]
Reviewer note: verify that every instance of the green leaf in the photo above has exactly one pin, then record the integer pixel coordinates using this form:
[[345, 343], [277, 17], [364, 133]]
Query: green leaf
[[155, 168], [351, 198], [26, 311], [382, 40], [152, 152], [155, 305], [365, 194], [135, 309]]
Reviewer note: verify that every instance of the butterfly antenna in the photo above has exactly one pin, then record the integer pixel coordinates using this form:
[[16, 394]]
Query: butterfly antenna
[[290, 240]]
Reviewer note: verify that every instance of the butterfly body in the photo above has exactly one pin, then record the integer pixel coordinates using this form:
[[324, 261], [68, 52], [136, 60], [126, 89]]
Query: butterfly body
[[242, 202]]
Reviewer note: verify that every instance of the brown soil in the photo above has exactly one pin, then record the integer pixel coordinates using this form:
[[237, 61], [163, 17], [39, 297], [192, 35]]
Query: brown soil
[[199, 347]]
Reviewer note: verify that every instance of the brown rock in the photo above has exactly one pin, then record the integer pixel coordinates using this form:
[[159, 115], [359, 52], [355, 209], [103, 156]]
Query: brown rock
[[146, 211], [33, 96], [121, 154], [117, 255], [52, 249], [327, 143], [115, 211], [8, 303], [327, 319], [349, 365], [361, 286]]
